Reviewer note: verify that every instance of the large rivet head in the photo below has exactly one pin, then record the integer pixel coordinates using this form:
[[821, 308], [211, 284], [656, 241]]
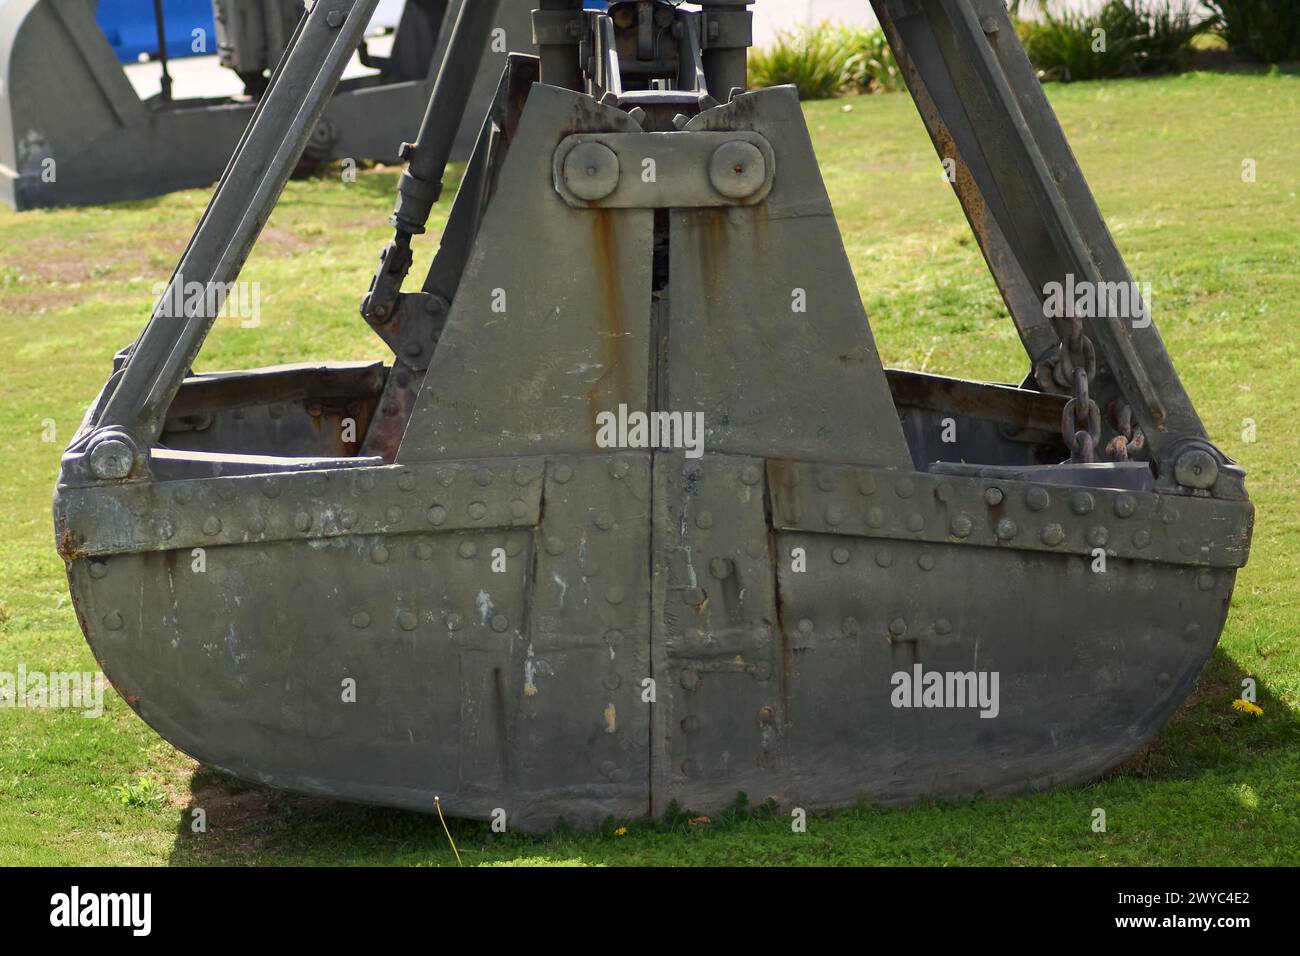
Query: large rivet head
[[591, 171], [1196, 469], [1053, 535], [737, 169], [111, 458]]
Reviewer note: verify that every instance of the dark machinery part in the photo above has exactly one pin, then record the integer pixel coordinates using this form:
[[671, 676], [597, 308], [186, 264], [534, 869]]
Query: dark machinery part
[[161, 25], [73, 130], [252, 36], [636, 515]]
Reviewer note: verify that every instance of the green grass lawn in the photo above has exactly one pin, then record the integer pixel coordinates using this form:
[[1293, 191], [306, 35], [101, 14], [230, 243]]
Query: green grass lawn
[[1164, 158]]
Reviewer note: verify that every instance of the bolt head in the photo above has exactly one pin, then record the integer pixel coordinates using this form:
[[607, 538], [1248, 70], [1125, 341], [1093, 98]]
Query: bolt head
[[737, 169], [591, 171], [1196, 469], [111, 459]]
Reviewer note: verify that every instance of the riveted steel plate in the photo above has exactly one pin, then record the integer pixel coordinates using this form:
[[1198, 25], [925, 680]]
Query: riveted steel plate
[[368, 666], [1089, 666], [718, 657], [782, 362], [159, 516], [535, 348], [583, 726], [1013, 515]]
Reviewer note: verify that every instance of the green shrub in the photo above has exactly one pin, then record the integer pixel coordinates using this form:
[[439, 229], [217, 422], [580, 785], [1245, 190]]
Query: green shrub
[[872, 67], [1121, 38], [1264, 30], [815, 59], [826, 60]]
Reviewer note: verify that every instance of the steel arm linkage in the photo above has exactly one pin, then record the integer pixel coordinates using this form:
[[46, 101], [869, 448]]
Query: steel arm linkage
[[1031, 209]]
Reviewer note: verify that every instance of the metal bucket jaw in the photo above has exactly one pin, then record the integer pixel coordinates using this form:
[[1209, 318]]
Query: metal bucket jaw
[[637, 514]]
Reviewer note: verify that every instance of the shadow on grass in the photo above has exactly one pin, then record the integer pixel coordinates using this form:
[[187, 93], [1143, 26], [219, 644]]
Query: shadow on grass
[[1206, 739]]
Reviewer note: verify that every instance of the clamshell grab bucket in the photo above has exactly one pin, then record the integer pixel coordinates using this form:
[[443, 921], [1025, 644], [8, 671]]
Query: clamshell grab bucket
[[636, 514]]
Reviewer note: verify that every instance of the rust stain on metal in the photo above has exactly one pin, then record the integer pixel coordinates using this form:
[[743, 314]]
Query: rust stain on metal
[[71, 547], [968, 192], [612, 386]]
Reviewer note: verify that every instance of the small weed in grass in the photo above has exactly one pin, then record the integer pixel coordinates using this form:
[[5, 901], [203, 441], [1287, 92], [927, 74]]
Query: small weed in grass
[[142, 794]]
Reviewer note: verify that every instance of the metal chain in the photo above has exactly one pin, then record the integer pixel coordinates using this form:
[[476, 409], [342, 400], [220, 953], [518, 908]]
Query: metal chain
[[1131, 442], [1081, 419]]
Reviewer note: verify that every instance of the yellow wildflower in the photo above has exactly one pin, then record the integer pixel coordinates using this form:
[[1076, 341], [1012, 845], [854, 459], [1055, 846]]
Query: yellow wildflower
[[1246, 707], [621, 831]]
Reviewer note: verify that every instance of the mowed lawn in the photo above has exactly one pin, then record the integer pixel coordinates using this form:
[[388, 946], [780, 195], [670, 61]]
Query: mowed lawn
[[1165, 159]]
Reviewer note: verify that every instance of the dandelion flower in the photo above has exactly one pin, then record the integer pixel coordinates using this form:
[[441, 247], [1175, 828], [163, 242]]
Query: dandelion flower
[[1246, 707]]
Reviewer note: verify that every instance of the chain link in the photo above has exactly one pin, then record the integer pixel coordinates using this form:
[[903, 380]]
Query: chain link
[[1130, 442], [1075, 368]]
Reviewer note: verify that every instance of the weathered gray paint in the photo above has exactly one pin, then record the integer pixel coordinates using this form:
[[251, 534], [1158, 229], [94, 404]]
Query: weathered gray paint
[[554, 629]]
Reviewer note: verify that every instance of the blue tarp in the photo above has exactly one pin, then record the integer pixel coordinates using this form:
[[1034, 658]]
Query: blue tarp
[[132, 31]]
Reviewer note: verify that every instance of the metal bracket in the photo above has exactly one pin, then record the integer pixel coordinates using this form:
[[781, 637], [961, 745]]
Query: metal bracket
[[997, 513], [664, 170], [558, 27]]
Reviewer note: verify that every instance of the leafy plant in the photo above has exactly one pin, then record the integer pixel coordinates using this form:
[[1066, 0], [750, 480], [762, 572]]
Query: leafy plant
[[816, 59], [826, 60], [1264, 30], [872, 68], [1119, 38], [143, 793]]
